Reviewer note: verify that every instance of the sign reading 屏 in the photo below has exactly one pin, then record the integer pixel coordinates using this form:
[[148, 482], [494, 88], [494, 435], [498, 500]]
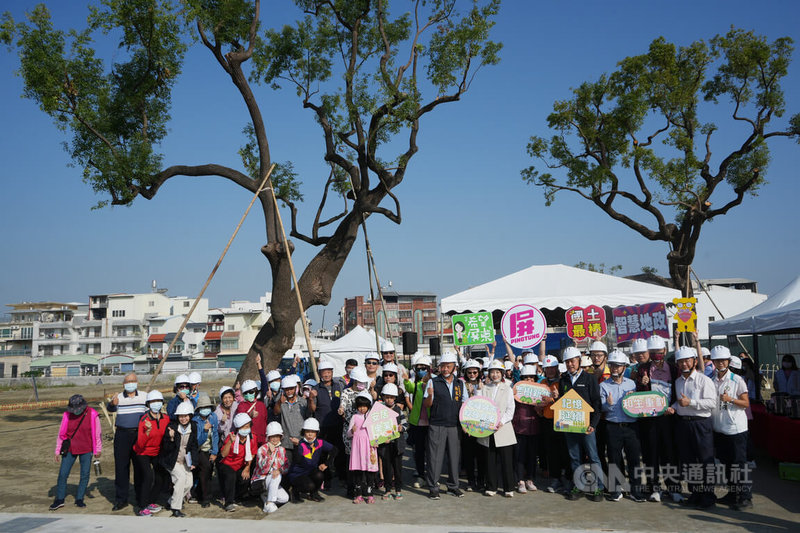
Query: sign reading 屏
[[523, 326], [473, 328]]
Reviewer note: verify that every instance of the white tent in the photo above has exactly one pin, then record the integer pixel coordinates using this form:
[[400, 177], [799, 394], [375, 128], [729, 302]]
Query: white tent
[[780, 312], [554, 286], [354, 345]]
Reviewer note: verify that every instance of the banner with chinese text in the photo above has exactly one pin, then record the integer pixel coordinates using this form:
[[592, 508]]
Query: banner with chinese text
[[640, 321]]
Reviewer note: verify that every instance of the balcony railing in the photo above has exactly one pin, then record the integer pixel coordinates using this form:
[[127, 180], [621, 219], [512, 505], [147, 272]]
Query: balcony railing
[[8, 353]]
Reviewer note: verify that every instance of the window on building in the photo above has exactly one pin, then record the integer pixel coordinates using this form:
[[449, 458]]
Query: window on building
[[186, 303], [119, 313], [405, 314], [151, 303], [230, 327], [368, 315]]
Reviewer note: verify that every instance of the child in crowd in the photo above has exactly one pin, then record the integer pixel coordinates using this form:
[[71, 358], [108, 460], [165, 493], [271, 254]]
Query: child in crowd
[[153, 477], [177, 455], [271, 463], [363, 456], [391, 453], [292, 409]]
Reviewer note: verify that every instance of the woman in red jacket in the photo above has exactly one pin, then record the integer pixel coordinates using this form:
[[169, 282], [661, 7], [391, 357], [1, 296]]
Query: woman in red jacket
[[78, 438], [237, 455], [152, 427]]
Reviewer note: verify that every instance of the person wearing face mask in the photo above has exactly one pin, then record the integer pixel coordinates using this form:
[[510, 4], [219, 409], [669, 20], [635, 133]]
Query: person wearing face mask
[[444, 395], [292, 409], [580, 445], [526, 430], [225, 412], [150, 434], [390, 373], [79, 437], [255, 409], [418, 415], [237, 455], [129, 406], [695, 399], [183, 393], [786, 375], [329, 396], [195, 379], [207, 424], [359, 382], [271, 464], [472, 453], [271, 393], [310, 458], [391, 453], [556, 459], [178, 454], [500, 444], [730, 429]]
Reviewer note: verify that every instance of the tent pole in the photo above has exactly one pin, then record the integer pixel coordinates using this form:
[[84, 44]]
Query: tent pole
[[756, 363]]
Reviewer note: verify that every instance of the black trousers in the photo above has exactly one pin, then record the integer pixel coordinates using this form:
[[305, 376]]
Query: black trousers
[[695, 439], [152, 479], [658, 451], [231, 483], [419, 436], [363, 482], [392, 463], [309, 483], [555, 449], [601, 439], [124, 439], [333, 434], [472, 461], [202, 477], [525, 457], [623, 437], [505, 456], [732, 453]]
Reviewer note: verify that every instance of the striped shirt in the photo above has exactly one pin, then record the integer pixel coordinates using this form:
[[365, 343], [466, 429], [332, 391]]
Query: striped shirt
[[129, 409]]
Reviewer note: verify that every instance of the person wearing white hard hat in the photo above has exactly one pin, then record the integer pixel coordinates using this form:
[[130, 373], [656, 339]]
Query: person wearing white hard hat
[[270, 465], [526, 430], [256, 410], [653, 373], [195, 379], [444, 395], [388, 355], [329, 397], [555, 455], [183, 393], [225, 411], [359, 382], [730, 429], [153, 477], [580, 445], [418, 415], [499, 447], [208, 442], [472, 460], [390, 373], [391, 453], [129, 406], [179, 451], [371, 365], [708, 365], [620, 428], [363, 456], [292, 410], [696, 398], [531, 359], [235, 466], [310, 459]]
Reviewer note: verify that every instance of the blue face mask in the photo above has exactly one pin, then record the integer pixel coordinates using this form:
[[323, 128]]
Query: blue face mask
[[250, 396], [156, 406], [204, 412], [184, 391], [244, 432], [421, 373], [130, 387], [275, 386]]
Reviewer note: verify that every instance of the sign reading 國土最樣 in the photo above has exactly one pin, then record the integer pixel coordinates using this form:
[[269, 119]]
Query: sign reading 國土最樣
[[479, 416], [473, 328], [586, 322], [381, 424], [640, 321], [531, 393], [644, 404], [571, 413], [523, 326]]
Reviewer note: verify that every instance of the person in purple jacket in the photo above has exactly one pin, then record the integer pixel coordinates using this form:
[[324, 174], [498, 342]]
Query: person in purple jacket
[[310, 458]]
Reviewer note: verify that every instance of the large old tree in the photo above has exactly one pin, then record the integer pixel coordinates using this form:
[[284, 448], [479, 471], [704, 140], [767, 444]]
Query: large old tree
[[360, 68], [635, 145]]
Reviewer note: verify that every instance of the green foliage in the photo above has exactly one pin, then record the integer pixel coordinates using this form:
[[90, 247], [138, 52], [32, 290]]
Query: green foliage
[[600, 267], [649, 270]]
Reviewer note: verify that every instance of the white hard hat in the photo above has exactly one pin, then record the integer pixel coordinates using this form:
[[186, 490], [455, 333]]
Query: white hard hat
[[241, 419], [248, 385], [685, 352], [365, 394], [656, 343], [530, 359], [372, 355], [508, 365], [195, 378], [185, 408], [290, 381], [550, 361], [324, 365], [274, 428], [359, 373], [310, 383], [472, 363], [618, 357], [562, 367], [639, 345], [272, 375], [424, 360], [390, 389], [224, 389], [720, 352], [387, 346], [154, 395], [311, 424], [570, 352], [736, 363], [704, 351], [527, 370], [390, 367], [448, 357], [598, 346], [496, 365], [586, 361], [181, 378]]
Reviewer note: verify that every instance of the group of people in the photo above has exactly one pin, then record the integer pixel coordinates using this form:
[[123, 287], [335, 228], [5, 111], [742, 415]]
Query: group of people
[[278, 438]]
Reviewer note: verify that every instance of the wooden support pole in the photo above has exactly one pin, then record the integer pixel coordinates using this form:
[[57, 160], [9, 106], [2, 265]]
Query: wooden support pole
[[208, 281]]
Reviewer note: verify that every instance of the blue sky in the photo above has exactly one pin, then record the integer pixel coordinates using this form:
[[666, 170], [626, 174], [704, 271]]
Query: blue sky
[[467, 215]]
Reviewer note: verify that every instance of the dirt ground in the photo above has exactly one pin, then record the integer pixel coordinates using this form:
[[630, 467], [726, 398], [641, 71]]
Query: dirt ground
[[28, 479]]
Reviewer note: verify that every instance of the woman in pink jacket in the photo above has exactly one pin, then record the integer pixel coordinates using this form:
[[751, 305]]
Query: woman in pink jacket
[[78, 438]]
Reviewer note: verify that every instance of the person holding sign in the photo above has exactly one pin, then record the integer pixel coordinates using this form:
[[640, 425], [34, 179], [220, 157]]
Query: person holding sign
[[578, 444], [472, 453], [391, 453], [500, 445], [444, 395], [552, 441], [418, 414], [526, 430], [620, 428]]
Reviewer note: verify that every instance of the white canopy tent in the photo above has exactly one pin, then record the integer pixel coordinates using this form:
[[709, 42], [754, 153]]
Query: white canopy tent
[[556, 286], [780, 312], [355, 345]]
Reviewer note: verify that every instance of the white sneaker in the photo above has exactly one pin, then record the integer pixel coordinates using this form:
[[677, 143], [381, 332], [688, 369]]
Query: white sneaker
[[554, 487], [530, 486], [655, 497], [418, 483], [489, 493], [676, 497], [508, 494], [521, 488], [270, 507]]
